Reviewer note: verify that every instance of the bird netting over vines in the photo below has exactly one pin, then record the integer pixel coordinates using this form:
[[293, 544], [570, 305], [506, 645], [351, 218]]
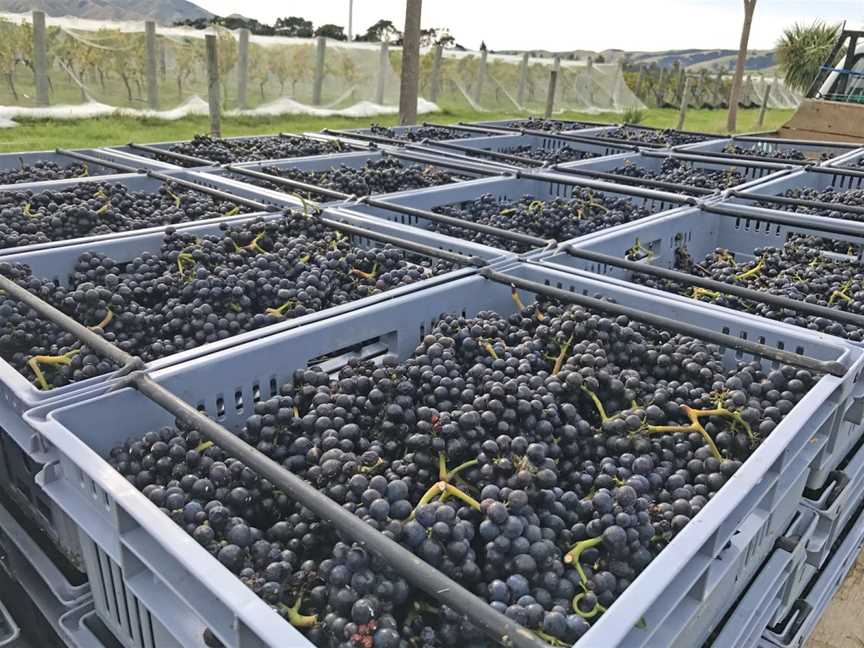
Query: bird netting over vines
[[97, 67]]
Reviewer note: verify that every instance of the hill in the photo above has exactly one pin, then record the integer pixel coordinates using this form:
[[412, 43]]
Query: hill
[[164, 12]]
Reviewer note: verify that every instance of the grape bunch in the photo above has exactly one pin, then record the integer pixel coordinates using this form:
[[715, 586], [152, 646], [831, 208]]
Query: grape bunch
[[251, 149], [560, 219], [420, 133], [542, 459], [685, 174], [28, 217], [551, 125], [775, 154], [194, 291], [41, 171], [805, 268], [762, 152], [376, 176], [667, 136], [548, 155], [850, 197]]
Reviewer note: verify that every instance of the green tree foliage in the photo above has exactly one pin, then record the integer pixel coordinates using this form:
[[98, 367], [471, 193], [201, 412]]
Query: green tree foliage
[[334, 32], [802, 50], [381, 31], [294, 26]]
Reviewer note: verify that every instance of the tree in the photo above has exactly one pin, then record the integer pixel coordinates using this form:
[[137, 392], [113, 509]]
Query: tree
[[189, 56], [436, 36], [334, 32], [228, 53], [600, 59], [802, 50], [126, 60], [292, 63], [735, 92], [258, 67], [381, 31], [9, 40], [410, 77], [293, 26]]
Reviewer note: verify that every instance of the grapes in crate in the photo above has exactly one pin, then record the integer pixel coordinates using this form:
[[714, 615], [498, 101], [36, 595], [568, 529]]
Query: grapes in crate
[[541, 459], [560, 219], [194, 291], [805, 268], [250, 149], [28, 217]]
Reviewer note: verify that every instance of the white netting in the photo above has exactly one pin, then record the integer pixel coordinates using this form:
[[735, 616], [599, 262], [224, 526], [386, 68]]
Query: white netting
[[663, 88], [97, 68]]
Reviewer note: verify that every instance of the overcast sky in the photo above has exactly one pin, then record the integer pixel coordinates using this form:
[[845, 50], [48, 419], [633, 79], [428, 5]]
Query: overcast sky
[[570, 24]]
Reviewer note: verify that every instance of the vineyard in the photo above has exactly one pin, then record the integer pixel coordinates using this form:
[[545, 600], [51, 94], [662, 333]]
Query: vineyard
[[93, 68]]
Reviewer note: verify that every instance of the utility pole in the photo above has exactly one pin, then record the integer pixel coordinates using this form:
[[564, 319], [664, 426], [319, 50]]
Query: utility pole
[[350, 20]]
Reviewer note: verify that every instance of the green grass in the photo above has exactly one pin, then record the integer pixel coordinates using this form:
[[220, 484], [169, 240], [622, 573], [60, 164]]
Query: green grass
[[50, 134]]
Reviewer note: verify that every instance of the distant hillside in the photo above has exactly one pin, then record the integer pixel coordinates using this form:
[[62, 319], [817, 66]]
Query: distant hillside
[[691, 58], [164, 12]]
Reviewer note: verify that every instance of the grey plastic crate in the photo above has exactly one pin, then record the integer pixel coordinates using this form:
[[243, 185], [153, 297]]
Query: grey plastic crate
[[567, 125], [179, 588], [51, 591], [288, 198], [503, 189], [778, 583], [755, 173], [145, 157], [794, 630], [502, 143], [801, 178], [765, 146], [15, 160], [136, 182], [21, 448], [401, 131], [702, 232]]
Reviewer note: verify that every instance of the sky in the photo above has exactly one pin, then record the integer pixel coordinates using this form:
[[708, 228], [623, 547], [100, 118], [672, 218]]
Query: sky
[[570, 24]]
